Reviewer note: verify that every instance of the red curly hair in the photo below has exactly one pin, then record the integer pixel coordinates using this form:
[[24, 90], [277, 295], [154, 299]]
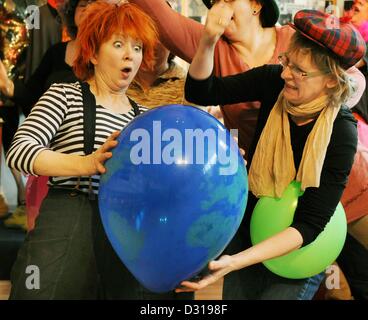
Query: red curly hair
[[101, 20]]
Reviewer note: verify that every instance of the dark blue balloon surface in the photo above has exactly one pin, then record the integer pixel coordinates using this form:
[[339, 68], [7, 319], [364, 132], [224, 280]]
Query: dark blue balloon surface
[[167, 216]]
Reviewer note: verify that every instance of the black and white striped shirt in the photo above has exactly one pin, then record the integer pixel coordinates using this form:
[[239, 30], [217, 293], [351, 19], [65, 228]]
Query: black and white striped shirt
[[56, 123]]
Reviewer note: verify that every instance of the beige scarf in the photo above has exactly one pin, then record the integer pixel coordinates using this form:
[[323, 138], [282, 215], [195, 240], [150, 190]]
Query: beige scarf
[[272, 166]]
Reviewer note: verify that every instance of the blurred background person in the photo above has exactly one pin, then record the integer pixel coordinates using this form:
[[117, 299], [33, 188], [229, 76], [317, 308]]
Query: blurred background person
[[161, 86]]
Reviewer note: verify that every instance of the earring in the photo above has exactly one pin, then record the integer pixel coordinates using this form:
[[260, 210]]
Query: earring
[[255, 12]]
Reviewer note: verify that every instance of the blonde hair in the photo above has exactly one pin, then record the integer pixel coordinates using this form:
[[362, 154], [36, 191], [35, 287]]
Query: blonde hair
[[325, 60]]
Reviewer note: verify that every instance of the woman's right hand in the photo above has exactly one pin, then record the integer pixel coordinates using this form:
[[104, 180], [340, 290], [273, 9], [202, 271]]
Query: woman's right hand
[[218, 19], [95, 162], [218, 269]]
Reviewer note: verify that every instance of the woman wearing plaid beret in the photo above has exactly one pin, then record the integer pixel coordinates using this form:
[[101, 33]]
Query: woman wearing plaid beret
[[304, 132]]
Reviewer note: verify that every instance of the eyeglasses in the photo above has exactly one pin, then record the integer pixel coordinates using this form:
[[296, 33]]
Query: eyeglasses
[[296, 71]]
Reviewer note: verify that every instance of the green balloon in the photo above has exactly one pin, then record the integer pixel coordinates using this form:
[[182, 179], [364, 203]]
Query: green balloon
[[272, 215]]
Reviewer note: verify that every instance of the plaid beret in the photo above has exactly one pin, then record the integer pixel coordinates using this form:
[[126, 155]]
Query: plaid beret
[[342, 39]]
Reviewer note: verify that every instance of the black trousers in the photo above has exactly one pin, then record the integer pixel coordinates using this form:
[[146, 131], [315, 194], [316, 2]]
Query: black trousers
[[74, 259]]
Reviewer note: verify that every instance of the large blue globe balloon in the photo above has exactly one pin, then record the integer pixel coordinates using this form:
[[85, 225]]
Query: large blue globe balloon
[[170, 202]]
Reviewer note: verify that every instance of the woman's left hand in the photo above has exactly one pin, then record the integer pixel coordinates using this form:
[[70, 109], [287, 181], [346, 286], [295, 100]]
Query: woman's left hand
[[218, 268]]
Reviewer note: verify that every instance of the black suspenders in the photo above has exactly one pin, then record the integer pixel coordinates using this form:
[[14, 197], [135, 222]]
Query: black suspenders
[[89, 118], [89, 124]]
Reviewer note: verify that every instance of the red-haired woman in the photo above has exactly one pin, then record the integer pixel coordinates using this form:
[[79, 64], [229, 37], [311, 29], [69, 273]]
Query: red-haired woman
[[68, 246]]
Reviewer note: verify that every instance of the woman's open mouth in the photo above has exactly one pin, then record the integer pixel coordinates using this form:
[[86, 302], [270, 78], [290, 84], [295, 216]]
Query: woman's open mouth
[[126, 72]]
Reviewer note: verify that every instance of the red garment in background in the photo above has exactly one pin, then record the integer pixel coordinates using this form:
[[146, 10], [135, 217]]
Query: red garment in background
[[355, 196], [36, 191], [55, 3]]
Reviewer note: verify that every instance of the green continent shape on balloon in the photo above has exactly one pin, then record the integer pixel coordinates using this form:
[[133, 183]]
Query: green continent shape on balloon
[[115, 163], [231, 193], [209, 229], [130, 242]]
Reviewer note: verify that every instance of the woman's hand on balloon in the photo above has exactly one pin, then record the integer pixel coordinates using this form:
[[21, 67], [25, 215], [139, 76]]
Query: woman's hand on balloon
[[242, 151], [215, 111], [95, 161], [218, 269], [218, 19]]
